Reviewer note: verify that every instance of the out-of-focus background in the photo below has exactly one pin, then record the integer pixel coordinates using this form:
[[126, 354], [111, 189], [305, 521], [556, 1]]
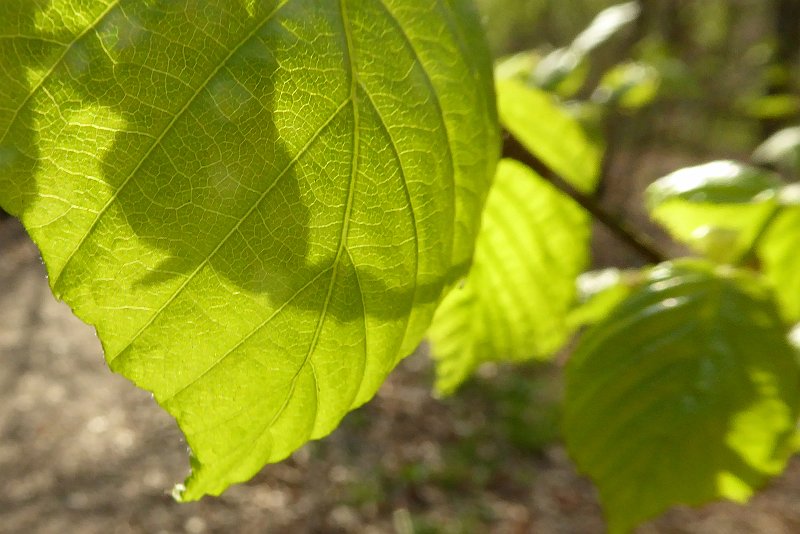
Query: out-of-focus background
[[82, 450]]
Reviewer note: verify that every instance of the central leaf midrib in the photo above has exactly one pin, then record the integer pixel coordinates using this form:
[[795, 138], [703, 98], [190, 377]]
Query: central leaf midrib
[[307, 360]]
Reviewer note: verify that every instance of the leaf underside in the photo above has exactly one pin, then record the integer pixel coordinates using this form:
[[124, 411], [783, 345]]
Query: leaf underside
[[686, 393], [258, 204]]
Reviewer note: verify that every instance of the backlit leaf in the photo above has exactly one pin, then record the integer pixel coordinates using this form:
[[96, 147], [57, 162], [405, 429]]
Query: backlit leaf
[[537, 120], [533, 243], [779, 251], [257, 204], [718, 208]]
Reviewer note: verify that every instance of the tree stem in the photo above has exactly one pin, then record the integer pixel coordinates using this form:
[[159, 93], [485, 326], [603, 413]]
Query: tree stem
[[641, 243]]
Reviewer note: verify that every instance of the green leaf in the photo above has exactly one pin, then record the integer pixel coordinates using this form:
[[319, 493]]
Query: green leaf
[[533, 243], [563, 72], [778, 251], [688, 392], [718, 208], [599, 292], [782, 148], [257, 204], [537, 120], [630, 85], [605, 25]]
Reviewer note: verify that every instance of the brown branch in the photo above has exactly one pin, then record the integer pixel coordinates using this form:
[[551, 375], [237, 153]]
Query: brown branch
[[641, 243]]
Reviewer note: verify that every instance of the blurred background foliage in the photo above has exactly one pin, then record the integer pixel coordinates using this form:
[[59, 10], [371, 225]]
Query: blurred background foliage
[[711, 77]]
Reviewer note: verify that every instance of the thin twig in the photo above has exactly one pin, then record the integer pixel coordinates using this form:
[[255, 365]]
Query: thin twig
[[641, 243]]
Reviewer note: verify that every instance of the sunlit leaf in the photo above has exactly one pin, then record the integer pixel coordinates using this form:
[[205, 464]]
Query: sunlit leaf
[[718, 208], [779, 251], [537, 120], [563, 71], [257, 204], [782, 148], [605, 25], [628, 86], [533, 243], [688, 392]]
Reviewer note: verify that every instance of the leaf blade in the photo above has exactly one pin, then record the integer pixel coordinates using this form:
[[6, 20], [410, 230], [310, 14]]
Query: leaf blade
[[706, 359], [248, 201], [514, 305]]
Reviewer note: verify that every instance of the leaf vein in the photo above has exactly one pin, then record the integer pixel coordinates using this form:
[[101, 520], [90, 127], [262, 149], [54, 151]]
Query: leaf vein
[[157, 142]]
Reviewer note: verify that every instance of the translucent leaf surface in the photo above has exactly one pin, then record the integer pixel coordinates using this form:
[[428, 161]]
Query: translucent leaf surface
[[257, 204], [537, 120], [718, 208], [630, 85], [533, 243], [686, 393], [779, 251]]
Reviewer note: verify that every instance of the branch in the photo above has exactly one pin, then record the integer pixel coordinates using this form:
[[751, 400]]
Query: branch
[[641, 243]]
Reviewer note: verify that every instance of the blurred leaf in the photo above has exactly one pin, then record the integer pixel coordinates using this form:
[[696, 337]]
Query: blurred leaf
[[628, 85], [688, 392], [772, 106], [547, 131], [718, 182], [599, 292], [518, 66], [779, 251], [718, 208], [781, 149], [533, 243], [563, 71], [605, 25]]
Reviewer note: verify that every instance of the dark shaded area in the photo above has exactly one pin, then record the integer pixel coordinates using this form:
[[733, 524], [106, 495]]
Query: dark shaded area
[[19, 153]]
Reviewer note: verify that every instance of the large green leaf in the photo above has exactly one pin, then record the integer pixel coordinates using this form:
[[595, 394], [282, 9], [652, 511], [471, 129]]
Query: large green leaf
[[688, 392], [718, 208], [257, 204], [533, 243]]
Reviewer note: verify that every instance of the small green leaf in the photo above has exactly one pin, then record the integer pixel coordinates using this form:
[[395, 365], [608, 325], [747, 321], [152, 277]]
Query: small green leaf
[[628, 86], [782, 149], [257, 204], [771, 106], [605, 25], [718, 208], [533, 243], [549, 132], [563, 72], [688, 392]]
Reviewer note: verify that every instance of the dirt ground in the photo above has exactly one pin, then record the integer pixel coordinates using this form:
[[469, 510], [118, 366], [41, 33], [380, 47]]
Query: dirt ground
[[83, 451]]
